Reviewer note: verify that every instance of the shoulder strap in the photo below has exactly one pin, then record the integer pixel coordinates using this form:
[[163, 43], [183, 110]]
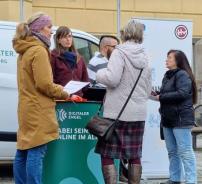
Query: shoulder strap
[[122, 109], [120, 113], [127, 100], [129, 96]]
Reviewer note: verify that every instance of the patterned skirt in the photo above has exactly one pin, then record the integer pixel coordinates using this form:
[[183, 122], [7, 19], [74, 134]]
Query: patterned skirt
[[125, 143]]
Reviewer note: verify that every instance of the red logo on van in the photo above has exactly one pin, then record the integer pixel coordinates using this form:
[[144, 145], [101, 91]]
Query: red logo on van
[[181, 32]]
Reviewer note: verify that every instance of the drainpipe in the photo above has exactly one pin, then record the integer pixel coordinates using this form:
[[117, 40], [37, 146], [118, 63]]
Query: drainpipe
[[21, 10]]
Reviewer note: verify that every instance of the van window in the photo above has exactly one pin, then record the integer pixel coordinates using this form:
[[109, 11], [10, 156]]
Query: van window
[[85, 48], [93, 48]]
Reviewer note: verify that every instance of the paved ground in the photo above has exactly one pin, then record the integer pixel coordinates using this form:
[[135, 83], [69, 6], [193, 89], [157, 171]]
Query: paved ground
[[6, 179]]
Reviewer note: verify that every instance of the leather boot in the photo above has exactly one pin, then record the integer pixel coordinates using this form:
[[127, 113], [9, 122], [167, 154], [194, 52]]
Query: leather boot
[[122, 178], [134, 173], [109, 173]]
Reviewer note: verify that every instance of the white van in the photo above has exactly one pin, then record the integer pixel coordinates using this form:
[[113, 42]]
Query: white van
[[84, 42]]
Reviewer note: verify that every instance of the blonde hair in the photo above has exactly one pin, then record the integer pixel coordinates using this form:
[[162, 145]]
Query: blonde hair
[[133, 31], [22, 29]]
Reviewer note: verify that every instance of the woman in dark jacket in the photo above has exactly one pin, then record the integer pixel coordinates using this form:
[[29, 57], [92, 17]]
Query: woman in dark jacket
[[177, 96], [66, 62]]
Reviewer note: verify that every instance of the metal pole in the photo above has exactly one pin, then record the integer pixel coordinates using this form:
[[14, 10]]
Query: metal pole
[[118, 17], [21, 10]]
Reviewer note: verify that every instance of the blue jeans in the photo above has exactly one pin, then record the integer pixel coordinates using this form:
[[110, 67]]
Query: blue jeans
[[28, 165], [181, 155]]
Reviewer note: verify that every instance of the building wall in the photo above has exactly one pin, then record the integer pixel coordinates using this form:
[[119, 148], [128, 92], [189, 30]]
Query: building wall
[[9, 9], [99, 16]]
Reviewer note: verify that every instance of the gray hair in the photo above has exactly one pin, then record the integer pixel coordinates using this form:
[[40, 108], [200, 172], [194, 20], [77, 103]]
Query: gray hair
[[132, 31]]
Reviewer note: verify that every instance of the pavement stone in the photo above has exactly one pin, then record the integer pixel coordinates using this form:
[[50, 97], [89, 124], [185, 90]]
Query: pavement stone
[[198, 153]]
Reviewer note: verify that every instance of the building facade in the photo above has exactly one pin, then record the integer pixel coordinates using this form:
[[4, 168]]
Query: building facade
[[100, 16]]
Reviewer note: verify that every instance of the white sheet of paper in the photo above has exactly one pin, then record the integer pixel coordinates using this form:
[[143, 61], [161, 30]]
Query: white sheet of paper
[[75, 86]]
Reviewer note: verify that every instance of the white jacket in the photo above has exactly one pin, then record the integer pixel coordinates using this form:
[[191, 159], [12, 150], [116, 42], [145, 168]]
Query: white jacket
[[120, 76]]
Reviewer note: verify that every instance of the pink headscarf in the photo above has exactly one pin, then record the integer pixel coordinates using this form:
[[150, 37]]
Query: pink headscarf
[[38, 24]]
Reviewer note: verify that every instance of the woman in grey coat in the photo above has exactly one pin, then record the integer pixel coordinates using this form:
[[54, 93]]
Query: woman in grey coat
[[120, 75]]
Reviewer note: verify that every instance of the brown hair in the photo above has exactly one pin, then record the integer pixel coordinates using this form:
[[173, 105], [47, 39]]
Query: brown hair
[[183, 63], [61, 32]]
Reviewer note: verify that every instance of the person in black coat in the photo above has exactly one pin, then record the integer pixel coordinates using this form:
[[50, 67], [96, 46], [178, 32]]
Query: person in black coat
[[177, 96]]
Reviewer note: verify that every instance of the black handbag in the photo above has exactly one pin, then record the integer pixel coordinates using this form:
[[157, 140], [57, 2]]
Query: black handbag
[[103, 127]]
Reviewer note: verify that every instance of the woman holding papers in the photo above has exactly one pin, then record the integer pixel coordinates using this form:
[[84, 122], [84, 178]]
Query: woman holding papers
[[36, 92], [66, 62]]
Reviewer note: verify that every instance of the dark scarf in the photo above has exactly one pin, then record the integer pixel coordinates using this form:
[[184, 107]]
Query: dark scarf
[[171, 73], [43, 38], [70, 58]]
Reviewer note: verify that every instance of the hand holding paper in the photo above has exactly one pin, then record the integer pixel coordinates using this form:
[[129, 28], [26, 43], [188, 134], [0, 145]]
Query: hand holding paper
[[75, 86]]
